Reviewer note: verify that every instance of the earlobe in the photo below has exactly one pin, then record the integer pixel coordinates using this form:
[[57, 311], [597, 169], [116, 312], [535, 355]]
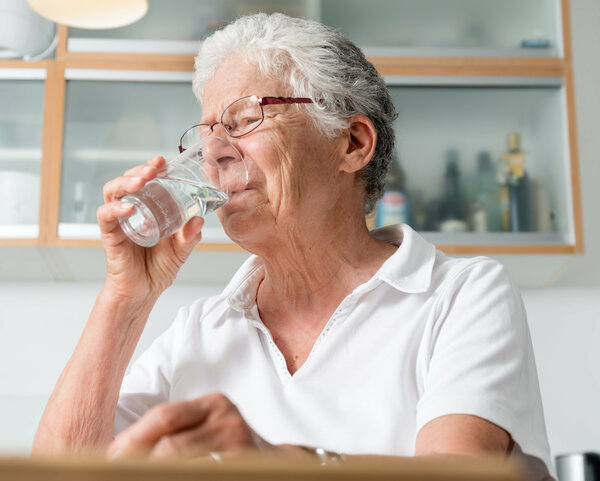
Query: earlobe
[[360, 141]]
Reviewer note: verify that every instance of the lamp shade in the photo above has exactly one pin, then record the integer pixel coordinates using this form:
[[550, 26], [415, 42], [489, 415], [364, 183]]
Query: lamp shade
[[23, 33], [92, 14]]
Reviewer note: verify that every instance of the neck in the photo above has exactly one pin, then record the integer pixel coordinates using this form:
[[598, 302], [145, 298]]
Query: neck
[[307, 270]]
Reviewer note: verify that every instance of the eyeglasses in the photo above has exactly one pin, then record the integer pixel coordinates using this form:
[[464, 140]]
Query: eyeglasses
[[239, 118]]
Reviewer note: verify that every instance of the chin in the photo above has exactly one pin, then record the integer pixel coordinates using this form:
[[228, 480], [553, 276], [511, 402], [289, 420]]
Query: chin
[[248, 229], [238, 225]]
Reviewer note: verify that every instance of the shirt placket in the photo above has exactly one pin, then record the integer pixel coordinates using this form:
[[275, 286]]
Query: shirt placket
[[342, 312]]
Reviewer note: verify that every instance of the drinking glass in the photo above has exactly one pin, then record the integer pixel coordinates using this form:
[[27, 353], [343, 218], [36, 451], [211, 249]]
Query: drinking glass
[[194, 183]]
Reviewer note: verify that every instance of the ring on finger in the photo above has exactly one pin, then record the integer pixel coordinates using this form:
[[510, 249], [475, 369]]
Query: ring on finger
[[216, 456]]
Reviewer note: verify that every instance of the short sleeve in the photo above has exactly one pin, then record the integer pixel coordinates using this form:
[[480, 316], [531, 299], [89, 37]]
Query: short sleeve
[[477, 357], [148, 381]]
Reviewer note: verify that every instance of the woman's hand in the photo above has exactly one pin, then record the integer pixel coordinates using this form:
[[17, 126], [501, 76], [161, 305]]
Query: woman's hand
[[134, 271], [186, 430]]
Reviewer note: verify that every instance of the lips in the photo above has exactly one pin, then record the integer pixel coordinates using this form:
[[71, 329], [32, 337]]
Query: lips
[[236, 188], [241, 190]]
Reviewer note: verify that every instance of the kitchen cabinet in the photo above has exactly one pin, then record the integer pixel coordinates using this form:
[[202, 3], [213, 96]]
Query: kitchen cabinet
[[463, 74], [22, 101], [115, 119], [469, 120]]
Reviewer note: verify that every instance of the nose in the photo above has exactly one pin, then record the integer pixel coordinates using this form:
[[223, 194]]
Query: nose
[[228, 142], [219, 150], [224, 162], [212, 128]]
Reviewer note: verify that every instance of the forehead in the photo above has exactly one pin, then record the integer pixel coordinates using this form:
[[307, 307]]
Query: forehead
[[235, 78]]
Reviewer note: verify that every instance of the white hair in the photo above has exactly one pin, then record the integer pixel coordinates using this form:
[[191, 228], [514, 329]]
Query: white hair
[[318, 62]]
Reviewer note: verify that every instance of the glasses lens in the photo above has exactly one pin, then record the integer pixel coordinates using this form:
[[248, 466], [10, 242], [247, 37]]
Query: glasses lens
[[242, 116], [193, 135]]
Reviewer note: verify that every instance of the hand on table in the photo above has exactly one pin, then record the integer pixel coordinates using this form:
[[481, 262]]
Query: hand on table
[[187, 430]]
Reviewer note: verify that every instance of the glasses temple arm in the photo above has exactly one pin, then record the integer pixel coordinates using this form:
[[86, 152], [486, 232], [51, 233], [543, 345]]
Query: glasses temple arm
[[284, 100]]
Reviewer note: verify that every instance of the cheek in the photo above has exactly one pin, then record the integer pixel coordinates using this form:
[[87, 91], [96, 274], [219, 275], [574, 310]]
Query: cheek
[[292, 169], [288, 173], [274, 162]]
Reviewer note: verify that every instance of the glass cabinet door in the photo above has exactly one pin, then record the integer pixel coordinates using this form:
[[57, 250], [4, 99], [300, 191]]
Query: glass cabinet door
[[21, 116], [484, 159], [178, 26], [115, 120], [381, 27], [449, 27]]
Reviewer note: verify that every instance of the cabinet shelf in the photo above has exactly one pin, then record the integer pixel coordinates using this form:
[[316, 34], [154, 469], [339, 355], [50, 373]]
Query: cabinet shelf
[[107, 45], [25, 156], [17, 154], [111, 156], [191, 47], [498, 238], [19, 231], [459, 52], [68, 230], [74, 231]]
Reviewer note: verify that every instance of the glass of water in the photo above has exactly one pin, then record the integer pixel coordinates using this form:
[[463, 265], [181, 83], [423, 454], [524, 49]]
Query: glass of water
[[194, 183]]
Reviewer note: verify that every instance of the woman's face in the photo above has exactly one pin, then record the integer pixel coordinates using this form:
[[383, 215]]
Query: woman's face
[[292, 167]]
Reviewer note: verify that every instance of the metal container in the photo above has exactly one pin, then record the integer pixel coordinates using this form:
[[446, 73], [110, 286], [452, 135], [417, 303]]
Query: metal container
[[578, 467]]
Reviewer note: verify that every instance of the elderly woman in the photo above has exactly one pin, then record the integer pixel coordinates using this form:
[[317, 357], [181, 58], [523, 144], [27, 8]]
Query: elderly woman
[[330, 339]]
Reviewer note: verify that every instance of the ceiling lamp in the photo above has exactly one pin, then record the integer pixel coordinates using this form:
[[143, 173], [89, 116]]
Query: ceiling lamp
[[92, 14]]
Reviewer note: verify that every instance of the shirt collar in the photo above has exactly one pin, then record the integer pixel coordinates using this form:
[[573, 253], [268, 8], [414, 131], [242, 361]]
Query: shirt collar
[[409, 269], [241, 290]]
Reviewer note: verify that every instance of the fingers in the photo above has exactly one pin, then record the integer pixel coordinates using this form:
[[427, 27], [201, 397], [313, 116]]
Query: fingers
[[133, 179], [187, 237], [108, 214], [192, 443], [157, 163], [161, 420], [183, 241], [186, 429], [121, 186], [192, 228]]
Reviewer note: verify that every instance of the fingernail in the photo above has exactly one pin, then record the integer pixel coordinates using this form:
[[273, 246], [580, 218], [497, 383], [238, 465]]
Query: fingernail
[[148, 169], [125, 206], [135, 179]]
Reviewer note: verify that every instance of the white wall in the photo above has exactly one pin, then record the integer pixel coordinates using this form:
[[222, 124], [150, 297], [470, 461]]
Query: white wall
[[40, 322], [585, 27], [39, 327], [566, 335]]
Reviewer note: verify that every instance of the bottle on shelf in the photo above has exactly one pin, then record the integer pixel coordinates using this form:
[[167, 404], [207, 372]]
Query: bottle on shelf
[[453, 213], [418, 210], [544, 215], [502, 175], [434, 214], [394, 206], [485, 215], [519, 189]]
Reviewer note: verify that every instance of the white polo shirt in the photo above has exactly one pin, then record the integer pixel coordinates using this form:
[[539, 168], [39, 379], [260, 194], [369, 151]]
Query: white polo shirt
[[428, 335]]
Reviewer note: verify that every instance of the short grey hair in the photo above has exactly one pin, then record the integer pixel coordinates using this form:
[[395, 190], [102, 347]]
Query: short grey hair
[[317, 62]]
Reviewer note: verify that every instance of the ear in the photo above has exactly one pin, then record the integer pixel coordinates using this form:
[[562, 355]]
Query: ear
[[358, 144]]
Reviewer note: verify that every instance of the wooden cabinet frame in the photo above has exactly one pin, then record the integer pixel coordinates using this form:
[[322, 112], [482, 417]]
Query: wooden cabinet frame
[[402, 66]]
